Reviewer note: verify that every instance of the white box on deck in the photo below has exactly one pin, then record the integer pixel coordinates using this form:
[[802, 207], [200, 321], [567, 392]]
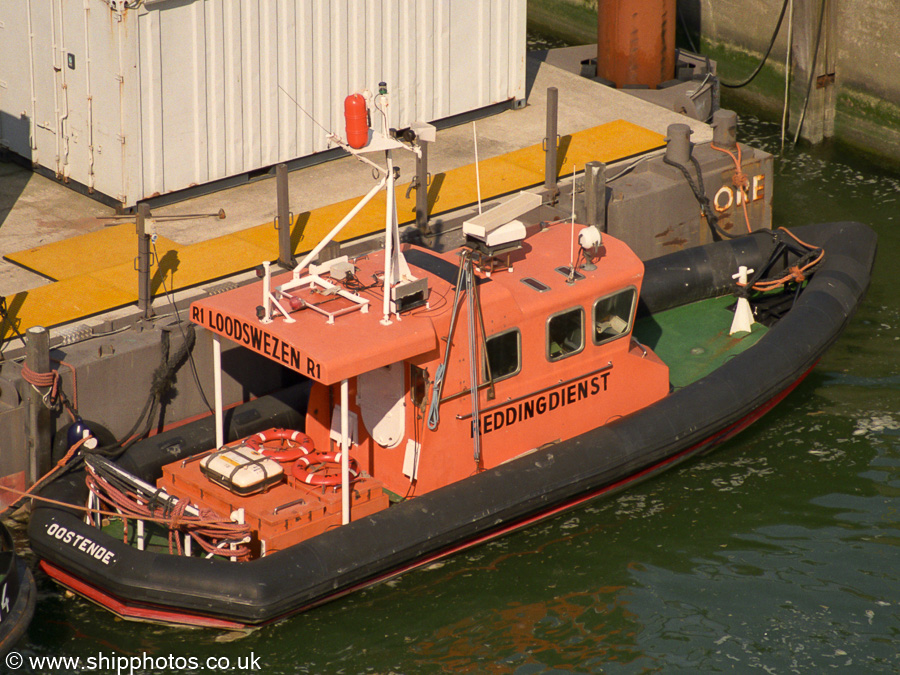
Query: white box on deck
[[498, 225]]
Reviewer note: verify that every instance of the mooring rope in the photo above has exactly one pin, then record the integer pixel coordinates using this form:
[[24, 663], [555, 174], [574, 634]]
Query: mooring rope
[[739, 179], [51, 381], [809, 257]]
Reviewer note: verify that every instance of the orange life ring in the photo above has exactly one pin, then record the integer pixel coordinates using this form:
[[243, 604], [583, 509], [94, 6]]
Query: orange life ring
[[303, 471], [282, 445]]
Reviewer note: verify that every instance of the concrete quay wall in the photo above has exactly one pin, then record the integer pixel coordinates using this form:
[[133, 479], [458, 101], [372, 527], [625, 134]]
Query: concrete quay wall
[[859, 106]]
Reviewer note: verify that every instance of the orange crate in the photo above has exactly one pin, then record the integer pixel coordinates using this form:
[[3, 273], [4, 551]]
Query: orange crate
[[281, 516]]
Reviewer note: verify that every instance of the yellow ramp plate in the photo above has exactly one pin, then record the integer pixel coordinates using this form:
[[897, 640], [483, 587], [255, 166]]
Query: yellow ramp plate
[[216, 258], [95, 271], [524, 168], [78, 255], [61, 302], [456, 188], [609, 143]]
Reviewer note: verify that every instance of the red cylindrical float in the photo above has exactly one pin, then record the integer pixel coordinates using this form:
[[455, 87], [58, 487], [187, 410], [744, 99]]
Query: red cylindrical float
[[356, 116], [636, 41]]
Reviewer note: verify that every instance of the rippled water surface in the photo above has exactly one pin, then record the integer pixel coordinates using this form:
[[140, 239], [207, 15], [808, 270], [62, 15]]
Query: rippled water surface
[[778, 553]]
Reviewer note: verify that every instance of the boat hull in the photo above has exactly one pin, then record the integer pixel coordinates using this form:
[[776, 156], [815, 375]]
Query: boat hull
[[690, 421], [18, 594]]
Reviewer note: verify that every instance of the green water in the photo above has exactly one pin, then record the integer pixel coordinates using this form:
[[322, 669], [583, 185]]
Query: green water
[[779, 553]]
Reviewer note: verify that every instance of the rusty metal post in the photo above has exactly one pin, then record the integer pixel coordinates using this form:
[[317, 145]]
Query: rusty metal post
[[550, 143], [422, 187], [143, 262], [37, 358], [595, 194], [283, 219]]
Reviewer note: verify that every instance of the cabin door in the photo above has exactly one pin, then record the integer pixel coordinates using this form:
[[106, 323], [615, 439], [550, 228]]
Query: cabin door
[[381, 396]]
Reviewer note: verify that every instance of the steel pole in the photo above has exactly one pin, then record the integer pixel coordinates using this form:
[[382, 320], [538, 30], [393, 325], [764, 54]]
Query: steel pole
[[345, 452], [283, 219], [422, 188], [144, 299], [550, 143], [595, 195]]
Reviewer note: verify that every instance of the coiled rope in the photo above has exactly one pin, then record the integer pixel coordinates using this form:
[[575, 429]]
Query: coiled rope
[[215, 535], [54, 397]]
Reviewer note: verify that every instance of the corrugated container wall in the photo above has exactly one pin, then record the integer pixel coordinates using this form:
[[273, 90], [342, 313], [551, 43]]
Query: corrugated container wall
[[134, 100]]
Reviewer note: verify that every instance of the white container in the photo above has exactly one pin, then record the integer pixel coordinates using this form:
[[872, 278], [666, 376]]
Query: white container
[[241, 470], [133, 103]]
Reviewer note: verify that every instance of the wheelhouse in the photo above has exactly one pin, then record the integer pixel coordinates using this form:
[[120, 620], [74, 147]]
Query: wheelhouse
[[456, 384]]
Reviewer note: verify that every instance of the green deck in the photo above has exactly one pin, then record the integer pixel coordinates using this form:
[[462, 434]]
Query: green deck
[[693, 340], [155, 536]]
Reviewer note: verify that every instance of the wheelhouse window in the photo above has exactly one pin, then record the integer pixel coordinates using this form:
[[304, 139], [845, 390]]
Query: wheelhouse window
[[504, 355], [613, 315], [565, 334]]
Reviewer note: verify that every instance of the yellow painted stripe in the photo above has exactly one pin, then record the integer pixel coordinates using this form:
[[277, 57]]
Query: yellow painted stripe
[[61, 302], [73, 256], [96, 270]]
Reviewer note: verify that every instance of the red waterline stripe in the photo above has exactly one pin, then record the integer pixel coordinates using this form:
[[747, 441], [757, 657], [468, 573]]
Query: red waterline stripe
[[133, 611]]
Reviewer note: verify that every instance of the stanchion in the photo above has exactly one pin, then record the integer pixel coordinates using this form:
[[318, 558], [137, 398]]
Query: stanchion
[[283, 219], [550, 144]]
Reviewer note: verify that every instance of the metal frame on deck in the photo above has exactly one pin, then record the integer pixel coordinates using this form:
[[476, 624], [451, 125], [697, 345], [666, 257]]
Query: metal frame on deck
[[395, 271]]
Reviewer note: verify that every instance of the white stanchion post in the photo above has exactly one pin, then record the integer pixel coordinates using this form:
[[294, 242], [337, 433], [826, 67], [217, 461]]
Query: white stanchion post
[[141, 541], [217, 385], [345, 452]]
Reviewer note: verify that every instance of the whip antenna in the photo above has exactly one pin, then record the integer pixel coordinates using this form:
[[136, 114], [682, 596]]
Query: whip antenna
[[300, 107], [572, 242]]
